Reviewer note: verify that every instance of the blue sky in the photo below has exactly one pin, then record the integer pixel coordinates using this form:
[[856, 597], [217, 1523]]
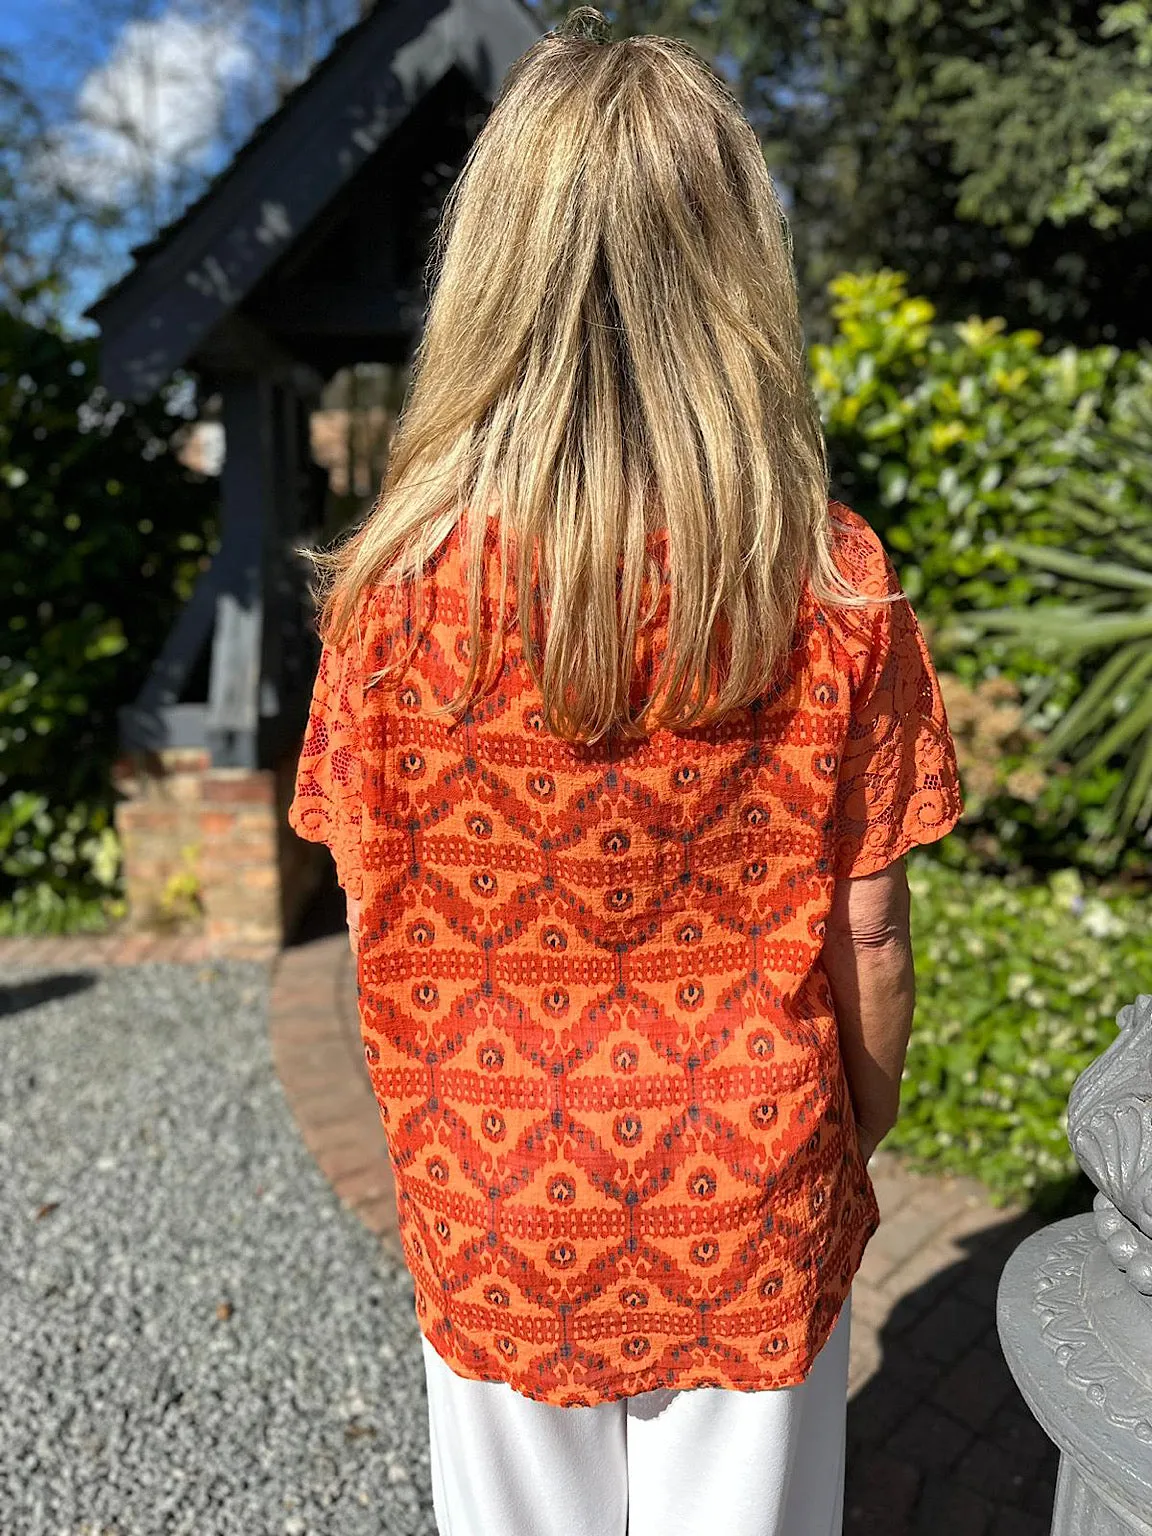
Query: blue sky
[[15, 19], [32, 30]]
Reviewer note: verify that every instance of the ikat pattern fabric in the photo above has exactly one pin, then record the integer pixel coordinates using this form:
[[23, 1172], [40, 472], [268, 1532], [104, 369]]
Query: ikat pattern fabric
[[592, 1007]]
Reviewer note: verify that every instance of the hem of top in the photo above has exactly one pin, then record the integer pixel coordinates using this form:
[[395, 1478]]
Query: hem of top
[[594, 1395], [597, 1397], [351, 882], [904, 844]]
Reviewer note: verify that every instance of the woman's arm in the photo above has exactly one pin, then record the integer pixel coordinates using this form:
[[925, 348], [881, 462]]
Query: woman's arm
[[353, 923], [867, 957]]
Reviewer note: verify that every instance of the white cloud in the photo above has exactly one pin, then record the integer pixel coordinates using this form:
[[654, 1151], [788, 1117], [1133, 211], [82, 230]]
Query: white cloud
[[154, 108]]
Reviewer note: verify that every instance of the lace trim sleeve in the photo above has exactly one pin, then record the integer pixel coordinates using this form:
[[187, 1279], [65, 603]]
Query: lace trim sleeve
[[327, 805], [898, 783]]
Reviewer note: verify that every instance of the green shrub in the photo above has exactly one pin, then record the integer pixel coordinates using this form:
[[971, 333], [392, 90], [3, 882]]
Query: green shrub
[[63, 862], [1109, 626], [954, 438], [950, 438], [1018, 990], [102, 532]]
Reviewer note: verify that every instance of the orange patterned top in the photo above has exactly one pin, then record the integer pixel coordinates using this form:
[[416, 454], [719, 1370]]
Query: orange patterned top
[[591, 999]]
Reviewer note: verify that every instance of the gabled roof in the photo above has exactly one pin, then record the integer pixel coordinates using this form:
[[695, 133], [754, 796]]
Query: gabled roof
[[199, 269]]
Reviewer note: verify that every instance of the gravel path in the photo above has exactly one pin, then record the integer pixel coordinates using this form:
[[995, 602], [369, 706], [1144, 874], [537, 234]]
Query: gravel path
[[194, 1335]]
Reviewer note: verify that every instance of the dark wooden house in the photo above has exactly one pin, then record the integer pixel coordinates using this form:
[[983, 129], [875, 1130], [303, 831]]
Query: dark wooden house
[[306, 255]]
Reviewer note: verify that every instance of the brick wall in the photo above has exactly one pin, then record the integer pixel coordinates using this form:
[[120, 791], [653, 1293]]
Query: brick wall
[[209, 850]]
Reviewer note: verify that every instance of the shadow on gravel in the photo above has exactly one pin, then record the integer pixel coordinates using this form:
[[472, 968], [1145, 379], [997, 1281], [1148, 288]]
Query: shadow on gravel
[[20, 996], [940, 1441]]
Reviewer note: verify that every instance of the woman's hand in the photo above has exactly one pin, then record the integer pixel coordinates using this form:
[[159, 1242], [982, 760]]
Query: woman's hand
[[869, 1139], [353, 924]]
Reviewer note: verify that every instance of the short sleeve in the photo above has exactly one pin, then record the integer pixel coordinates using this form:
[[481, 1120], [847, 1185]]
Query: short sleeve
[[327, 804], [898, 784]]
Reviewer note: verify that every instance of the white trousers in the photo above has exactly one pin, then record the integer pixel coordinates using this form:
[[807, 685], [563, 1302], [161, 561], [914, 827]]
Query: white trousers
[[704, 1461]]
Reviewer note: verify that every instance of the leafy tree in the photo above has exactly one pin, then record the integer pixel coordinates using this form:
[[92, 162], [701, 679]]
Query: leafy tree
[[102, 531], [33, 217], [992, 151], [1109, 183], [996, 151], [14, 117]]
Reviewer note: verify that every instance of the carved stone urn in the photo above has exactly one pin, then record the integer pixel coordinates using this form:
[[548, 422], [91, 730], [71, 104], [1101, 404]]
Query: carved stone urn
[[1074, 1308]]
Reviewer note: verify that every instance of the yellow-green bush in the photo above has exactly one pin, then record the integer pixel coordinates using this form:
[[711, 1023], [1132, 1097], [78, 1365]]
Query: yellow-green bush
[[952, 438], [949, 438]]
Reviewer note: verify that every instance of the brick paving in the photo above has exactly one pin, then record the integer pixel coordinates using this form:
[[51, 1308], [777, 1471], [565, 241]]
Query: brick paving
[[939, 1440], [316, 1045]]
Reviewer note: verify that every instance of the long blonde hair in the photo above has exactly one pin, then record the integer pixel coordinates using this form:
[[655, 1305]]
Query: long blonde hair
[[613, 348]]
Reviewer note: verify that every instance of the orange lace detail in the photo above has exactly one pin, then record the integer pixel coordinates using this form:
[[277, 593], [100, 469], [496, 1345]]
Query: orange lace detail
[[591, 999], [327, 806], [896, 783]]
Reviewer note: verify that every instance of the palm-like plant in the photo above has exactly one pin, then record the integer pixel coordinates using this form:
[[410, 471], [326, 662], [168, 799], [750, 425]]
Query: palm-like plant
[[1105, 619]]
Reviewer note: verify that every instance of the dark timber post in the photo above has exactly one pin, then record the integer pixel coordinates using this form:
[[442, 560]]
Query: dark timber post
[[247, 517]]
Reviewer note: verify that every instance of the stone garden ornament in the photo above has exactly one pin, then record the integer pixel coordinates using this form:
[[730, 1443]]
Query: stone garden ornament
[[1075, 1301]]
